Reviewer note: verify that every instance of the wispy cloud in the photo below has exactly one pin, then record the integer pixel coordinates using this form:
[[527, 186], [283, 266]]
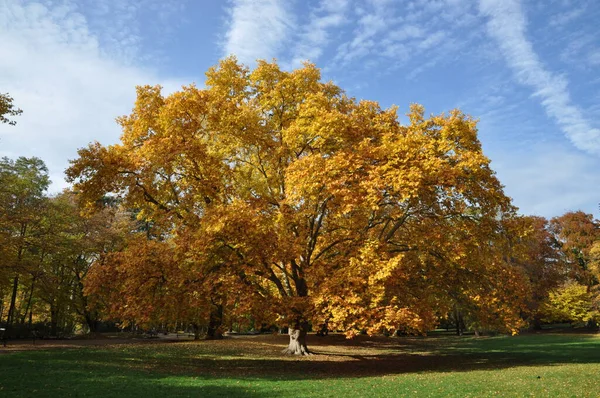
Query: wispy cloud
[[370, 24], [540, 179], [401, 37], [257, 29], [507, 25], [122, 26], [68, 86], [563, 18], [594, 57], [315, 35], [116, 26], [576, 48]]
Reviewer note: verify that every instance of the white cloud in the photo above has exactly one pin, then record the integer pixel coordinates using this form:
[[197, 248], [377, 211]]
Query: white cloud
[[594, 57], [507, 25], [418, 35], [315, 35], [549, 179], [69, 88], [566, 17], [258, 29], [369, 24]]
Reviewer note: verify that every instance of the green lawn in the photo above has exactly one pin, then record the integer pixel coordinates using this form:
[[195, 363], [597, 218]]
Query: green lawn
[[530, 365]]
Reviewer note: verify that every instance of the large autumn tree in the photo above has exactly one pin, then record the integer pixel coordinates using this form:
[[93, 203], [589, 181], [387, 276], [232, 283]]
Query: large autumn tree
[[319, 208]]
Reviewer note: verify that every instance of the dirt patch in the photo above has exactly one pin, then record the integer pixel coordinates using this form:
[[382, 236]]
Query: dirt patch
[[97, 341]]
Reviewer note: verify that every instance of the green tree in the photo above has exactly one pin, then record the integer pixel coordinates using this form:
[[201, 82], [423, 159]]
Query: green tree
[[23, 184], [7, 108]]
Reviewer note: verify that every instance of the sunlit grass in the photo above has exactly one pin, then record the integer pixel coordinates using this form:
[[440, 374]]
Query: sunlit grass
[[529, 365]]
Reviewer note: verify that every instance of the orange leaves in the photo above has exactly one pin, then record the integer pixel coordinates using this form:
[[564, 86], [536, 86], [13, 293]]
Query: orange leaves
[[312, 204], [147, 282]]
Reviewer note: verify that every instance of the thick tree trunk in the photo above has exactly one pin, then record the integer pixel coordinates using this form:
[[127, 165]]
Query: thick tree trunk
[[92, 322], [91, 318], [215, 322], [297, 344]]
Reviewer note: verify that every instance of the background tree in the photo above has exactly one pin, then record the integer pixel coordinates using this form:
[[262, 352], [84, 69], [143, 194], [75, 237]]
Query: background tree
[[576, 234], [7, 108], [72, 242], [22, 186], [571, 302], [146, 284], [538, 251], [323, 207]]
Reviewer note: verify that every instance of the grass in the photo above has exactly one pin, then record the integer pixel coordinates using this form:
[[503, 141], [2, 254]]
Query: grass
[[566, 365]]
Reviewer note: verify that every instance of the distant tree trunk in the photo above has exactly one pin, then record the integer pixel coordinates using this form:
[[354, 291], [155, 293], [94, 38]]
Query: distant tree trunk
[[13, 301], [297, 344], [323, 330], [196, 328], [28, 306], [537, 322], [215, 322], [91, 321], [459, 321], [53, 320], [91, 317]]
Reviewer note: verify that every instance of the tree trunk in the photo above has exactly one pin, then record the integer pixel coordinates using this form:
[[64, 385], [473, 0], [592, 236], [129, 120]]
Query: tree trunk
[[13, 298], [459, 322], [28, 306], [53, 321], [13, 301], [537, 322], [214, 323], [196, 329], [91, 317], [323, 330], [92, 322], [297, 344]]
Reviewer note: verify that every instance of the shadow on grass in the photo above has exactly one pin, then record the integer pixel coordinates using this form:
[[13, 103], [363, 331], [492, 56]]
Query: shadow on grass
[[198, 369]]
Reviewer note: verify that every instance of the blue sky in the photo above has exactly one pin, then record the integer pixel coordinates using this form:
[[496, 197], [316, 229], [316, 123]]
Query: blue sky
[[528, 69]]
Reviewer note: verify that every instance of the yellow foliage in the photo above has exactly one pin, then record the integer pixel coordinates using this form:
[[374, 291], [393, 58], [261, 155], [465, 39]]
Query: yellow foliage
[[319, 206]]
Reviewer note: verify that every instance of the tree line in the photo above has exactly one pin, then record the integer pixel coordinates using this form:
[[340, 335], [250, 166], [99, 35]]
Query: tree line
[[272, 198]]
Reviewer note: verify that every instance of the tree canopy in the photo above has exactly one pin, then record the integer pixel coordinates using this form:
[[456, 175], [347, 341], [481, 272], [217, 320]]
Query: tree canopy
[[320, 207]]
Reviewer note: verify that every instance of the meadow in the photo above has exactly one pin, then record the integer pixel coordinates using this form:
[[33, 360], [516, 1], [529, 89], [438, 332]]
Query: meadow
[[251, 366]]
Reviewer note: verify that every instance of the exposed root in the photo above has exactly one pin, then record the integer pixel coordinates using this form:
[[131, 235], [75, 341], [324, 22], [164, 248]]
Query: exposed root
[[297, 351], [297, 344]]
